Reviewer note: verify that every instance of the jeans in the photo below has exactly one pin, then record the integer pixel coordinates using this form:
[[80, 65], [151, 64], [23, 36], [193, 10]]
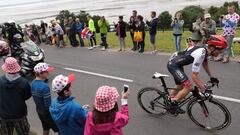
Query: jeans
[[228, 51], [73, 40], [80, 39], [122, 43], [177, 41], [93, 38], [141, 45], [104, 40]]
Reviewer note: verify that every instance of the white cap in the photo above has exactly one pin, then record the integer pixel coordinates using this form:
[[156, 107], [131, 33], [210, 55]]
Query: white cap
[[42, 67], [61, 81]]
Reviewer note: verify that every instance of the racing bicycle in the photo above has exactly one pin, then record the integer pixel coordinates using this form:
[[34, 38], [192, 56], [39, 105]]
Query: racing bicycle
[[202, 108]]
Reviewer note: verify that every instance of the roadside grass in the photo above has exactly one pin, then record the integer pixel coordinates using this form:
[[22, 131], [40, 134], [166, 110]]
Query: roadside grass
[[164, 41]]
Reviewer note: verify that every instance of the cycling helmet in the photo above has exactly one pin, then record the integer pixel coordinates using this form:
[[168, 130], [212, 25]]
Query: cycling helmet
[[4, 48], [218, 42]]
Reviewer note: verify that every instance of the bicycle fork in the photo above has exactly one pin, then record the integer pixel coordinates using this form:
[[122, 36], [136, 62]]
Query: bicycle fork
[[204, 108]]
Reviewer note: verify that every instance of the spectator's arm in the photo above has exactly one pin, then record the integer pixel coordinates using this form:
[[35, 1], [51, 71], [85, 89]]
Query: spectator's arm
[[196, 27], [47, 97], [231, 23], [213, 28], [124, 113], [173, 24], [80, 114], [201, 29], [27, 91], [180, 23], [100, 23], [148, 24], [87, 129], [154, 24], [142, 27]]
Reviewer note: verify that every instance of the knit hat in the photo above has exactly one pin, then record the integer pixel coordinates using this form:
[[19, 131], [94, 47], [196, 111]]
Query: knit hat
[[42, 67], [61, 81], [11, 66], [106, 98]]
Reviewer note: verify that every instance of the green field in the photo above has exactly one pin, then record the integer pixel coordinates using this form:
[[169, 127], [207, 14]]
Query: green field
[[164, 41]]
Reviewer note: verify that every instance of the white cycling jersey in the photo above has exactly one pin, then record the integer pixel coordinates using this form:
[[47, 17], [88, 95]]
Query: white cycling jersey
[[194, 55]]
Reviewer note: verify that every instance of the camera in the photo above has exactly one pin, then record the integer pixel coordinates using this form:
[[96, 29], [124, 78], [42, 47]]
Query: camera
[[125, 88]]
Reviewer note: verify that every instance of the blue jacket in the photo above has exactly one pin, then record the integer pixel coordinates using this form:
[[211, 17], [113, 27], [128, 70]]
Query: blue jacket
[[79, 27], [69, 116]]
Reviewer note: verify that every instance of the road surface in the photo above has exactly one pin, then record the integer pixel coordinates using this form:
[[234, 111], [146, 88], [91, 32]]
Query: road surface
[[96, 68]]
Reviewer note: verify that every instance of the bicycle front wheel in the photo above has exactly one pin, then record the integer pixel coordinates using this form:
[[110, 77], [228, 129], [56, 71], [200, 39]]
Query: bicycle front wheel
[[152, 100], [210, 114]]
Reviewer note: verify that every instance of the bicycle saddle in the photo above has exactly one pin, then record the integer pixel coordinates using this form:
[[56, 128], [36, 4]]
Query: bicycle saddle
[[159, 75]]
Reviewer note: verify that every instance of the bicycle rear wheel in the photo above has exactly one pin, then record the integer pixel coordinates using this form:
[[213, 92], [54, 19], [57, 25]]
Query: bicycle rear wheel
[[152, 100], [210, 114]]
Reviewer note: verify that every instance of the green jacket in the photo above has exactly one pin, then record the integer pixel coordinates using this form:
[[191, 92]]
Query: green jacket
[[91, 25], [103, 26]]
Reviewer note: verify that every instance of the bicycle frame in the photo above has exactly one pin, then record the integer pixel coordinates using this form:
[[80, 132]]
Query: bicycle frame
[[166, 90]]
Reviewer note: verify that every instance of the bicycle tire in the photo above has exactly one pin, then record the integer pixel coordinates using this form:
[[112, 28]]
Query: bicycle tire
[[216, 103], [151, 108]]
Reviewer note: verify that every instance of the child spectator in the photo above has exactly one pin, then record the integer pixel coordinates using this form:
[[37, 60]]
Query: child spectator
[[69, 116], [42, 97], [105, 118]]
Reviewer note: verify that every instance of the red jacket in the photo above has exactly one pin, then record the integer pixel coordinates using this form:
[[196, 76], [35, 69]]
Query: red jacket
[[114, 128]]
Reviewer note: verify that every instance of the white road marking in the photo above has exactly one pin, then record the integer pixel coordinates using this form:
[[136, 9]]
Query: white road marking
[[131, 81], [98, 74], [227, 98]]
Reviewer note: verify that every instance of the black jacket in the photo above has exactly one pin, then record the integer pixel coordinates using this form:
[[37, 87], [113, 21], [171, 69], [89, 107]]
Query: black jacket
[[122, 26], [152, 26], [12, 98], [141, 28]]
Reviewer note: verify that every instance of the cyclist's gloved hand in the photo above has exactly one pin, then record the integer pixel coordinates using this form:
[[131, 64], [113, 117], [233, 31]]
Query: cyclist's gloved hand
[[214, 80]]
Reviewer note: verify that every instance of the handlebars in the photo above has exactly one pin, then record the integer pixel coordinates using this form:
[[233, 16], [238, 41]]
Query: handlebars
[[207, 93], [211, 84]]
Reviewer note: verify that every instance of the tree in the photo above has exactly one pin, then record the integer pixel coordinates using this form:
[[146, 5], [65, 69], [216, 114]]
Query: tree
[[64, 14], [165, 19], [190, 13], [83, 16]]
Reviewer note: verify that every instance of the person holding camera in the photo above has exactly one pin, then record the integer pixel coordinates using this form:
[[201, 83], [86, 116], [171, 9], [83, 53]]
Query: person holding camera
[[105, 117], [103, 25], [229, 25], [207, 28], [152, 24], [177, 25]]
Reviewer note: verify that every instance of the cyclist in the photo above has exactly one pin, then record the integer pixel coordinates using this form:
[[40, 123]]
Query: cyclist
[[197, 56]]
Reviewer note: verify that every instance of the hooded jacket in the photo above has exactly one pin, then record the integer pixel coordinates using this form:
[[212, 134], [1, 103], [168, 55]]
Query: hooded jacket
[[152, 26], [12, 97], [69, 116], [114, 128]]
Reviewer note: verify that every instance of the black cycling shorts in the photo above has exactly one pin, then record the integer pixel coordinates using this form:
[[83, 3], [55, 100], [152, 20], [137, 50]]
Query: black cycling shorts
[[178, 73]]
